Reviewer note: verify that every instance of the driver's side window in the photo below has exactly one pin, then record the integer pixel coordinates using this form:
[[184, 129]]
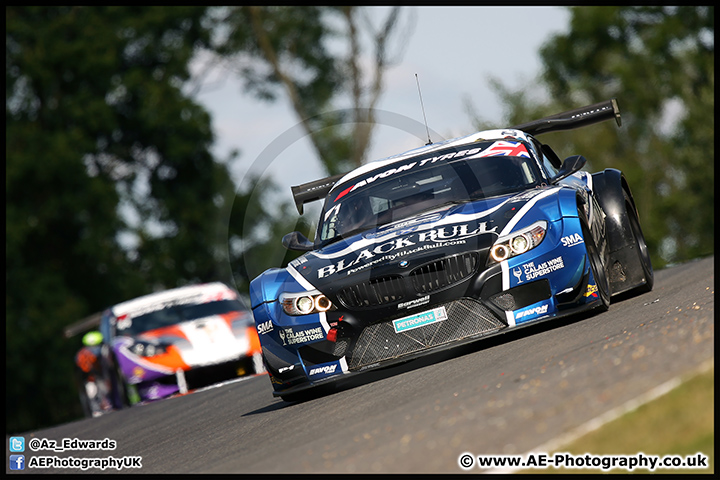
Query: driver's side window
[[552, 171], [550, 160]]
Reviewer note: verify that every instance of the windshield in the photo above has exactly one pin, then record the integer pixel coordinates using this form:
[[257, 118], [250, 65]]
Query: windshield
[[175, 314], [365, 203]]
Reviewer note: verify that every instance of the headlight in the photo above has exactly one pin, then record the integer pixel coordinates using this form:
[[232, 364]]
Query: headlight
[[147, 349], [518, 242], [305, 303]]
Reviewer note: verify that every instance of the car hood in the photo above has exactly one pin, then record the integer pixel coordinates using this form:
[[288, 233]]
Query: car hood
[[404, 245], [204, 341]]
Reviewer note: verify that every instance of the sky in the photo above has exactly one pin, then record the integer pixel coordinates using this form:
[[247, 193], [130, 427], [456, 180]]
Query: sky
[[453, 50]]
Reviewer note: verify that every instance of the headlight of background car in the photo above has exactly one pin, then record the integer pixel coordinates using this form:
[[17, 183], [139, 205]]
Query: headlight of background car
[[518, 242], [147, 349], [305, 303]]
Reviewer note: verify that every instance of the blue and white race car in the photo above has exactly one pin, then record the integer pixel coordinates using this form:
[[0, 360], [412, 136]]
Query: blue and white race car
[[446, 244]]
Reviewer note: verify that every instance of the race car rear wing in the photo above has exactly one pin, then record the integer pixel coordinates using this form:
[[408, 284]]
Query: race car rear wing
[[571, 119], [580, 117], [84, 325], [312, 191]]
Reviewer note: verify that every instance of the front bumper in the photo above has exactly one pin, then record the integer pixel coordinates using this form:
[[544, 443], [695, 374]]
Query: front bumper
[[357, 345], [159, 386]]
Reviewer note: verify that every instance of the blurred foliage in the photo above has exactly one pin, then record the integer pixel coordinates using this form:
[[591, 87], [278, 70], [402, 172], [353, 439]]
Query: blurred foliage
[[333, 90], [257, 227], [112, 191], [659, 62], [283, 53]]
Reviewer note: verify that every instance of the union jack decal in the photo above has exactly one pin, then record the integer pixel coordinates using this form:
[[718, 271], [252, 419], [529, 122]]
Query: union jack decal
[[505, 148]]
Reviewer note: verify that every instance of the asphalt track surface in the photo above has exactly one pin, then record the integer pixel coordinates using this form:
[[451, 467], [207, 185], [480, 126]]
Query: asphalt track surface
[[504, 395]]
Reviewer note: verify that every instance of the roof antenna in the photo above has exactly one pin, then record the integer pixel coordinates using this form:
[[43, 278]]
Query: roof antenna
[[423, 110]]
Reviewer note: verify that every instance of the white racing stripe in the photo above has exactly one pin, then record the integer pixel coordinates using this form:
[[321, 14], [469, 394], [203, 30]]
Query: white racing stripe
[[509, 316], [308, 286], [525, 208], [300, 279]]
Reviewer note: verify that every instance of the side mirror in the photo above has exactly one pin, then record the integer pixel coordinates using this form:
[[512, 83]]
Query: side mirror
[[297, 241], [569, 166]]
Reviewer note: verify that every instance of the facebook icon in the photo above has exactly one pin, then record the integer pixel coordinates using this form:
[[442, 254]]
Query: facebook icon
[[17, 462]]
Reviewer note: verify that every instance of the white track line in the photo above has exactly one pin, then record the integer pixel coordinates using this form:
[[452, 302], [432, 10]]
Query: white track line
[[607, 417]]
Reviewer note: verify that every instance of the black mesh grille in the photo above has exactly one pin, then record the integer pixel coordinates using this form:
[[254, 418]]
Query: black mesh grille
[[465, 318], [378, 291], [443, 273], [424, 279]]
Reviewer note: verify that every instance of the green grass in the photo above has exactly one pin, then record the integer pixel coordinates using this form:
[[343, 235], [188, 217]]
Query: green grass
[[680, 422]]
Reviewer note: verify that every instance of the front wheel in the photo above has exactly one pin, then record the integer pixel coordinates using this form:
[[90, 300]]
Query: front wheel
[[311, 393], [640, 246], [84, 394], [118, 388], [596, 265], [296, 397]]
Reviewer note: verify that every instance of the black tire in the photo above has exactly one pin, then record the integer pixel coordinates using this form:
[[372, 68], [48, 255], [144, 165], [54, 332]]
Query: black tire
[[640, 246], [306, 395], [118, 393], [122, 388], [82, 393], [596, 264], [296, 397], [311, 393]]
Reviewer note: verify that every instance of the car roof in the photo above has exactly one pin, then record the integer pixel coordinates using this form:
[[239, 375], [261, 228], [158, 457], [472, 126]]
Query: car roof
[[485, 135], [200, 293]]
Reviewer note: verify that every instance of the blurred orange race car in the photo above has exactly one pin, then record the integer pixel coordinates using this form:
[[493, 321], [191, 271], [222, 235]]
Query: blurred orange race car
[[165, 343]]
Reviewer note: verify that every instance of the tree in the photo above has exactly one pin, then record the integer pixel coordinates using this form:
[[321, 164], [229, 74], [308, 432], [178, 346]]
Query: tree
[[659, 63], [287, 49], [278, 50], [256, 226], [111, 189]]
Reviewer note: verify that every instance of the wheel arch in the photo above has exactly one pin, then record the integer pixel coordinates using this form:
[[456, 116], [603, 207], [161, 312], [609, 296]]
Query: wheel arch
[[624, 264]]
